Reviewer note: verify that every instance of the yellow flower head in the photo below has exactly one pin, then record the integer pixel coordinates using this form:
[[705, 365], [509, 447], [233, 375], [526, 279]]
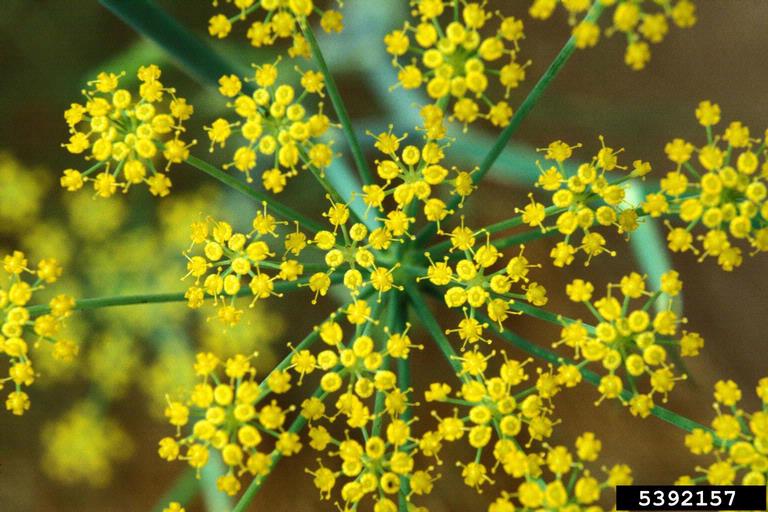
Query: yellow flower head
[[629, 343], [26, 327], [643, 22], [458, 60], [225, 263], [275, 123], [412, 172], [737, 441], [270, 21], [720, 188], [584, 198], [126, 134], [227, 411]]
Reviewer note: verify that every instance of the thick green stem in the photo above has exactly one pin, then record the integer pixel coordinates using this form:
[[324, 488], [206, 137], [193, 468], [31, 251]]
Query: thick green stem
[[277, 207], [195, 56], [338, 105], [522, 112], [397, 318]]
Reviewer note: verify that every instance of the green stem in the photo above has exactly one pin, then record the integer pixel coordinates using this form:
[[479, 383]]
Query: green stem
[[237, 185], [433, 328], [547, 316], [399, 317], [338, 105], [117, 300], [392, 324], [530, 101], [154, 298], [502, 243], [521, 238]]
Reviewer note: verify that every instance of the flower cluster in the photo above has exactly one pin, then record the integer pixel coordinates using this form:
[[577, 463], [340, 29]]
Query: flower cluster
[[274, 123], [641, 22], [727, 195], [478, 280], [124, 134], [498, 408], [358, 251], [278, 20], [231, 260], [557, 480], [412, 172], [738, 440], [372, 450], [228, 414], [383, 462], [455, 63], [369, 399], [574, 195], [629, 340], [20, 326]]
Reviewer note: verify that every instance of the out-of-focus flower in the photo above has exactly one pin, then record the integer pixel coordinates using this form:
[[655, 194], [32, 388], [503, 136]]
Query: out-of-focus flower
[[81, 447]]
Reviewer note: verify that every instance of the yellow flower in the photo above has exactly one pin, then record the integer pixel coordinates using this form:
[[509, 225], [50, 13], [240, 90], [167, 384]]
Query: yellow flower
[[640, 21], [458, 62], [629, 342], [125, 134], [270, 21], [737, 441], [274, 123], [23, 332], [727, 198]]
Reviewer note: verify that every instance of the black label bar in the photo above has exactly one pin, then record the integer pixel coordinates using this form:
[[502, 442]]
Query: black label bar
[[691, 497]]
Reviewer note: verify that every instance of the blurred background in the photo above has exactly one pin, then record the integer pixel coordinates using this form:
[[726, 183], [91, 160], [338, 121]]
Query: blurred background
[[89, 441]]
